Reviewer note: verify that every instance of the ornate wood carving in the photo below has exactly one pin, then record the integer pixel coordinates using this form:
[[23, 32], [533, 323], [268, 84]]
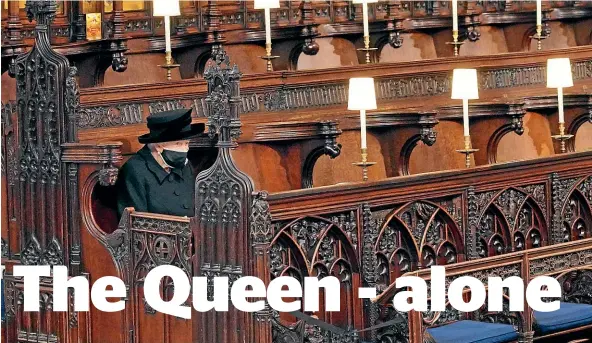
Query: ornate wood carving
[[223, 202], [46, 103], [512, 221], [306, 94], [560, 189]]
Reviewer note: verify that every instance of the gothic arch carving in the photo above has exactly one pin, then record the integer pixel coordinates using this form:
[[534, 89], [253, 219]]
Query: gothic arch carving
[[315, 246], [396, 252], [320, 242], [511, 221], [576, 215], [287, 258], [417, 234], [493, 233], [436, 234]]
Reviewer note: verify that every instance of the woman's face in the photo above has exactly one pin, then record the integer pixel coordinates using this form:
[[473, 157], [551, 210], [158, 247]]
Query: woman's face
[[182, 146]]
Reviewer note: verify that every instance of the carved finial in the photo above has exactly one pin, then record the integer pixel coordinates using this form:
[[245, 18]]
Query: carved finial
[[223, 98]]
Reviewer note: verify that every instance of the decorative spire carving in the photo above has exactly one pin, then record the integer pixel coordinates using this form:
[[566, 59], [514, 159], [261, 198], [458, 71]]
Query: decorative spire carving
[[47, 103], [223, 98], [223, 202]]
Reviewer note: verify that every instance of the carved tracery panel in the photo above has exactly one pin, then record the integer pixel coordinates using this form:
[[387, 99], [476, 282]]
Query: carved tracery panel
[[157, 242], [512, 220], [417, 234], [577, 213], [396, 253], [314, 246], [434, 231]]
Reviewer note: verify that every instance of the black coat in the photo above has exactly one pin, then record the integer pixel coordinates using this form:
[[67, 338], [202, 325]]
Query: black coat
[[144, 185]]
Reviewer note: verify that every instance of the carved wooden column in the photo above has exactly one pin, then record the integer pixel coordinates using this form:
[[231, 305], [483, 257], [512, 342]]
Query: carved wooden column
[[118, 20], [223, 202], [212, 20], [118, 44], [261, 234], [46, 190]]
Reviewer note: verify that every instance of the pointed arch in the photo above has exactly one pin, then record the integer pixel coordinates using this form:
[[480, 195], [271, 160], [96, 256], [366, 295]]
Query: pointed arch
[[287, 258], [334, 244], [396, 251], [493, 232], [576, 216], [530, 223]]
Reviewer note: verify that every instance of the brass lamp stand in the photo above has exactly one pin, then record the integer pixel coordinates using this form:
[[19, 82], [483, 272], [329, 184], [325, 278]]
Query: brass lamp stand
[[539, 37], [367, 48], [364, 164], [169, 66], [467, 151], [562, 138], [268, 57], [455, 42]]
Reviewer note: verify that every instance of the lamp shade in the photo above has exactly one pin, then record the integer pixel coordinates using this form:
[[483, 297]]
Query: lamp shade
[[262, 4], [464, 84], [559, 73], [163, 8], [364, 1], [361, 94]]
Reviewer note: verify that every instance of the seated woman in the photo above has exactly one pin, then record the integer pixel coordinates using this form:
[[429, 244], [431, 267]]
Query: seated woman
[[158, 178]]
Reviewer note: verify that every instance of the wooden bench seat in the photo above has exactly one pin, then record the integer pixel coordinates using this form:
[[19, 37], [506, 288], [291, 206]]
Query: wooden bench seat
[[470, 331], [569, 316]]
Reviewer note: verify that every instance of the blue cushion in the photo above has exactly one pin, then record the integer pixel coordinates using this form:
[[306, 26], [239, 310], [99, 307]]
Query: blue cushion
[[469, 331], [568, 316]]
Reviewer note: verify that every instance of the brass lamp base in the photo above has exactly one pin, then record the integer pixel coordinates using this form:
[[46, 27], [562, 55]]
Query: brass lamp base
[[562, 138], [169, 66], [364, 164], [539, 37], [455, 42], [268, 57], [468, 151], [367, 48]]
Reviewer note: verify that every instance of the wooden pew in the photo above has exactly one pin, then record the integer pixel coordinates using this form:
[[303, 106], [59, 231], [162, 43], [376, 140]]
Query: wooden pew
[[388, 228], [567, 262]]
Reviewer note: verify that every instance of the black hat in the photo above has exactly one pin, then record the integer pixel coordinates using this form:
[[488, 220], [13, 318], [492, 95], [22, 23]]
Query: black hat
[[171, 126]]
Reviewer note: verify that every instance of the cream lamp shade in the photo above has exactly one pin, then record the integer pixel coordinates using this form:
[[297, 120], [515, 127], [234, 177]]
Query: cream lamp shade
[[166, 8], [364, 1], [361, 94], [464, 84], [559, 73], [262, 4]]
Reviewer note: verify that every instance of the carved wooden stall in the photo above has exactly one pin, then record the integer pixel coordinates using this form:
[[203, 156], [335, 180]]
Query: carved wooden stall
[[305, 32], [42, 168], [58, 173], [372, 233], [292, 119]]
